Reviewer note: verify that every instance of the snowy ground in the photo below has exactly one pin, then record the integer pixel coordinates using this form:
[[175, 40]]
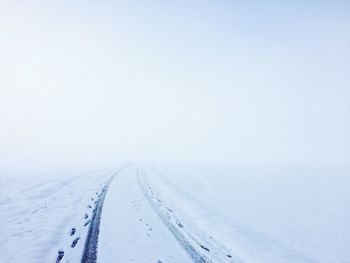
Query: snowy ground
[[131, 231], [178, 214], [37, 215], [261, 215]]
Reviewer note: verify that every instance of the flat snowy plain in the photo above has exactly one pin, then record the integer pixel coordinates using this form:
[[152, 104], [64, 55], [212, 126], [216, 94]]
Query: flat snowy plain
[[178, 214]]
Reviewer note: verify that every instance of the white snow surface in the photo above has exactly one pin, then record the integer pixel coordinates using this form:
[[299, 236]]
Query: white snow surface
[[37, 214], [261, 214], [180, 213], [130, 230]]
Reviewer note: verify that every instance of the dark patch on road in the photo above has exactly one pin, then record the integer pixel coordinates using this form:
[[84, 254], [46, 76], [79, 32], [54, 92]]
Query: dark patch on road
[[205, 248], [72, 232], [60, 256], [75, 242]]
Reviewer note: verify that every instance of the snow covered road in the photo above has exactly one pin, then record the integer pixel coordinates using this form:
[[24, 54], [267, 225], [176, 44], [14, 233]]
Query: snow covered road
[[144, 214], [130, 230], [90, 248]]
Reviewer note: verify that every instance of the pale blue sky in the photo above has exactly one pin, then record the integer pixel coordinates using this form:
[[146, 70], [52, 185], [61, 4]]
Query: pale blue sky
[[90, 83]]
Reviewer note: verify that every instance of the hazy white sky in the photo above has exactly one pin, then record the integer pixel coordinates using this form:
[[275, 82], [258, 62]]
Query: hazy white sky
[[92, 83]]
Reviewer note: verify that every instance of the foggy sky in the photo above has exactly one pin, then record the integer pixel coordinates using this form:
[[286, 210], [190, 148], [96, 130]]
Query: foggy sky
[[93, 83]]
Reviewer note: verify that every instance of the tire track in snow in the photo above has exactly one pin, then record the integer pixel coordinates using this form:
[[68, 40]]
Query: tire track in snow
[[90, 248], [188, 247]]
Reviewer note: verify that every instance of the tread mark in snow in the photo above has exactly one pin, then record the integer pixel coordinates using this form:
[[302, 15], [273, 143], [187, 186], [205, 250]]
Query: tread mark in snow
[[75, 242], [60, 256], [72, 232], [205, 248], [188, 247], [90, 249]]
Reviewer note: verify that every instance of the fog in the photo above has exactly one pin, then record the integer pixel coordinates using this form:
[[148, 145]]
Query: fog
[[97, 83]]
